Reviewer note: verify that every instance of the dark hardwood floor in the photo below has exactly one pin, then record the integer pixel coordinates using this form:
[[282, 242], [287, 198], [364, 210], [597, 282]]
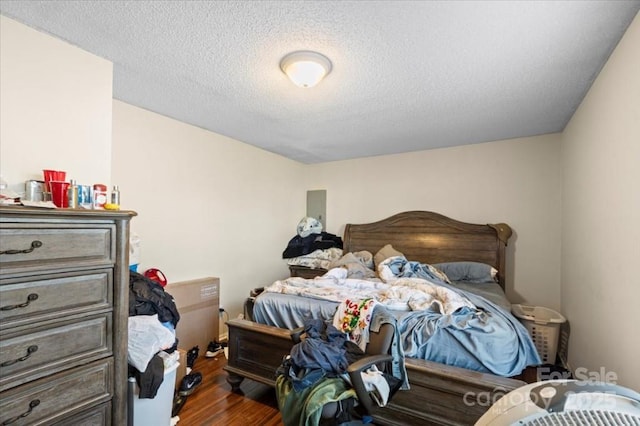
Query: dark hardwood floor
[[213, 403]]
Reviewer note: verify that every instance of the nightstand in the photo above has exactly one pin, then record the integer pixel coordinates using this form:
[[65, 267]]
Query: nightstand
[[305, 272]]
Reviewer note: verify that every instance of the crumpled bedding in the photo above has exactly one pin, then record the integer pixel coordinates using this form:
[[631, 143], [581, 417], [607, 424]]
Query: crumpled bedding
[[358, 265], [437, 321], [397, 267], [318, 259], [333, 286], [404, 294]]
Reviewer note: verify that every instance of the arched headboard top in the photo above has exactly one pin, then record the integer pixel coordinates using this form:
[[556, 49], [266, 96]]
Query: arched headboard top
[[430, 237]]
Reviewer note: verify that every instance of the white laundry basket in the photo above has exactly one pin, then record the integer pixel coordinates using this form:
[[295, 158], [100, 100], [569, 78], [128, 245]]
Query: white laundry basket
[[543, 325]]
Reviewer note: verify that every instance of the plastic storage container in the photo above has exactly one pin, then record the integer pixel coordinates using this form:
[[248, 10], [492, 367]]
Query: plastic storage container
[[543, 325], [155, 411]]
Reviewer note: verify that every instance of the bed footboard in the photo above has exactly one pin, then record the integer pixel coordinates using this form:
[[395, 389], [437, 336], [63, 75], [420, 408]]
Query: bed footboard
[[443, 395], [255, 352], [439, 394]]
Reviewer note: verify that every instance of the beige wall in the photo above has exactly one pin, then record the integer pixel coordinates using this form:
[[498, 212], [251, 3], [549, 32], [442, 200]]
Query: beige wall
[[207, 205], [55, 108], [601, 218], [514, 181]]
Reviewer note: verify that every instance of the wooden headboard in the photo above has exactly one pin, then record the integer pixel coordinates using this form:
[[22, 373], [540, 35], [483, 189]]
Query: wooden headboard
[[432, 238]]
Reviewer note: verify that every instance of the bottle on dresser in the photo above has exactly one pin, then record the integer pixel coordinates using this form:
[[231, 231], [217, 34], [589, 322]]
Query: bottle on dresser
[[72, 195], [115, 195]]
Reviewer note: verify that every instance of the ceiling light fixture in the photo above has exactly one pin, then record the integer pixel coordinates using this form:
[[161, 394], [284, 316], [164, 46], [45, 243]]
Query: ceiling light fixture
[[305, 68]]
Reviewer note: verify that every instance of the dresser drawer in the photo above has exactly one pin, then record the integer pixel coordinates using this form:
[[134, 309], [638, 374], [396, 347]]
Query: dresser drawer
[[26, 300], [97, 416], [40, 247], [57, 397], [47, 350]]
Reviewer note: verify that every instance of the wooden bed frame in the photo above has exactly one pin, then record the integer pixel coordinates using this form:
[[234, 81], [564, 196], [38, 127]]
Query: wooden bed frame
[[439, 394]]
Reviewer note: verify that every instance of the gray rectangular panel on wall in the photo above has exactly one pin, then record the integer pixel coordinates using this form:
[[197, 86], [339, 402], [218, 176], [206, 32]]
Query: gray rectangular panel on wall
[[317, 206]]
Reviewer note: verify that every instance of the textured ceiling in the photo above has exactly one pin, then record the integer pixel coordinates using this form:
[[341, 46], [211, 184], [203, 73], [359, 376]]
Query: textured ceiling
[[407, 75]]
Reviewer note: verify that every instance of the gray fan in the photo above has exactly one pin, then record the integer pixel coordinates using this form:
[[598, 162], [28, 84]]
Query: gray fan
[[565, 402]]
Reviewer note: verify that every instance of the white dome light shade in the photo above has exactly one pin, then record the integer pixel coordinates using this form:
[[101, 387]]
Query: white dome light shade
[[305, 68]]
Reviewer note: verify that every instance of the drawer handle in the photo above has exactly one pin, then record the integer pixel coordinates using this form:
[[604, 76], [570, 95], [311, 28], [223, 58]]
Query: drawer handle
[[33, 404], [30, 298], [31, 349], [34, 245]]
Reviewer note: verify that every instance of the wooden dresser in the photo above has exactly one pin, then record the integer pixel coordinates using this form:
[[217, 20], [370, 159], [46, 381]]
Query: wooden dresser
[[63, 316]]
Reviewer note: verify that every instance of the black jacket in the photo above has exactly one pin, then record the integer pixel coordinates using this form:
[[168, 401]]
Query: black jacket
[[299, 246], [147, 297]]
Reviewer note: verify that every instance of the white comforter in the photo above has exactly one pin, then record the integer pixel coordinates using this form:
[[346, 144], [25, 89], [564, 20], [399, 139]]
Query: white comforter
[[403, 294]]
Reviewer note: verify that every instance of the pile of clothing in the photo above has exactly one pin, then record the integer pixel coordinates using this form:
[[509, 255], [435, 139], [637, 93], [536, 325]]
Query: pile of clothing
[[315, 374], [311, 246], [153, 317]]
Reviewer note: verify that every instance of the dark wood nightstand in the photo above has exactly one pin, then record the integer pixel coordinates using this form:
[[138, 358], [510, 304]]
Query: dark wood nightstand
[[305, 272]]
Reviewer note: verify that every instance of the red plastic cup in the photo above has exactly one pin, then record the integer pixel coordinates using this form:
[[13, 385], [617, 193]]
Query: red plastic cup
[[48, 175], [59, 193], [53, 175]]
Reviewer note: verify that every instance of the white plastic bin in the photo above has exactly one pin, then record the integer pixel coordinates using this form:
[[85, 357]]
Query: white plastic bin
[[156, 411], [543, 325]]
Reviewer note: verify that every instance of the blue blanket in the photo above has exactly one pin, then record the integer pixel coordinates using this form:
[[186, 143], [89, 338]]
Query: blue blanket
[[486, 339]]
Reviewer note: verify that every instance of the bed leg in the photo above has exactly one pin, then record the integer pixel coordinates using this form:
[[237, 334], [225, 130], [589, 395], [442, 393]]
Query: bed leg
[[234, 380]]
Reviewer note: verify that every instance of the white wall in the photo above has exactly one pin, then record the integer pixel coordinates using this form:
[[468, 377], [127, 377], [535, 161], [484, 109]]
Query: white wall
[[207, 205], [55, 108], [513, 181], [601, 218]]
